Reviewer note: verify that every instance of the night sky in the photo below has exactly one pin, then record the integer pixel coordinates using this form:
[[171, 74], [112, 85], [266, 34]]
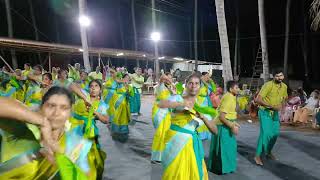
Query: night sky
[[57, 22]]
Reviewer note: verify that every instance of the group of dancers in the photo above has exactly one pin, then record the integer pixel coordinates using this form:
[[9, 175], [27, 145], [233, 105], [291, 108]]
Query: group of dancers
[[52, 133], [183, 117], [48, 120]]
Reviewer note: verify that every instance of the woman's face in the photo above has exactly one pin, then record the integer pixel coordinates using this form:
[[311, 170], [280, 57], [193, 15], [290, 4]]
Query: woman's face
[[126, 78], [57, 109], [46, 80], [37, 71], [63, 75], [193, 86], [95, 89], [26, 67], [169, 78], [206, 77], [83, 76]]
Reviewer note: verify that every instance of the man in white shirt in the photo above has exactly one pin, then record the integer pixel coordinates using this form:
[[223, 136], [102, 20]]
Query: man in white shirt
[[137, 81], [97, 74]]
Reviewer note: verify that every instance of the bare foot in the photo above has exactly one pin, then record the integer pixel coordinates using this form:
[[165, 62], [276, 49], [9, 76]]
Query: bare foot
[[258, 161], [272, 157]]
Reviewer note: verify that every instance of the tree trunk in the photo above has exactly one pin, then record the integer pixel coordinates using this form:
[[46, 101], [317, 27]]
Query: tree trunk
[[286, 45], [10, 32], [235, 61], [202, 41], [195, 31], [133, 16], [236, 47], [121, 32], [190, 38], [304, 41], [263, 36], [34, 24], [224, 44]]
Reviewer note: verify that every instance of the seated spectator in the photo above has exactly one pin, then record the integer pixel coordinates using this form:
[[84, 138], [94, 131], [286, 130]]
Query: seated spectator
[[292, 104], [302, 95], [303, 113], [316, 123]]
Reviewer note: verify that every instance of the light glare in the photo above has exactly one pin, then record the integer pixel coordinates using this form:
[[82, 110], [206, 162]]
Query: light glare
[[84, 21], [120, 54], [155, 36]]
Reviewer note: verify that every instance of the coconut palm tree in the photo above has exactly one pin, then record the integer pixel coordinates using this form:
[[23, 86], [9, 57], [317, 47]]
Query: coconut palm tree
[[10, 32], [121, 31], [224, 44], [263, 36], [304, 40], [133, 16], [286, 45], [195, 31], [315, 14], [237, 45], [34, 24]]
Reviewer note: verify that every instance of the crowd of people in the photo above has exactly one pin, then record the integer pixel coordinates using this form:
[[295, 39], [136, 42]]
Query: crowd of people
[[48, 120], [299, 109], [51, 117]]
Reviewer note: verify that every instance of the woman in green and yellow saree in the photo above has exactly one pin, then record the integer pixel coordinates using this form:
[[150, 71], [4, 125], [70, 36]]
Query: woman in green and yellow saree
[[120, 106], [89, 108], [59, 153], [203, 99], [62, 80], [84, 81], [161, 116], [183, 156], [34, 91], [12, 85], [86, 111], [110, 88]]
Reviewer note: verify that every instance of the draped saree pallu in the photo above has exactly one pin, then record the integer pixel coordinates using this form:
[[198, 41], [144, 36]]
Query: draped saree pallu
[[27, 162], [135, 100], [183, 157], [121, 109], [84, 119], [108, 93], [161, 122], [33, 96], [203, 100], [223, 151], [269, 131], [13, 89]]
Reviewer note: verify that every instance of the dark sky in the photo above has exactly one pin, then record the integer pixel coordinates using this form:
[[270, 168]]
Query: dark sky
[[57, 22]]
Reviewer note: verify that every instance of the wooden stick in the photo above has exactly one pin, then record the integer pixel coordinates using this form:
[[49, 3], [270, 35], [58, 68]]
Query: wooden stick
[[5, 62]]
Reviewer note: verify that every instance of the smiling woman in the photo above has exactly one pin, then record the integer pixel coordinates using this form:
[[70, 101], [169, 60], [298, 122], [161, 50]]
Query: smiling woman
[[183, 156], [27, 158]]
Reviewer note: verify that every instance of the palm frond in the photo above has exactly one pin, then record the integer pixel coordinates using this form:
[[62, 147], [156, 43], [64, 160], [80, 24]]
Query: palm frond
[[315, 14]]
